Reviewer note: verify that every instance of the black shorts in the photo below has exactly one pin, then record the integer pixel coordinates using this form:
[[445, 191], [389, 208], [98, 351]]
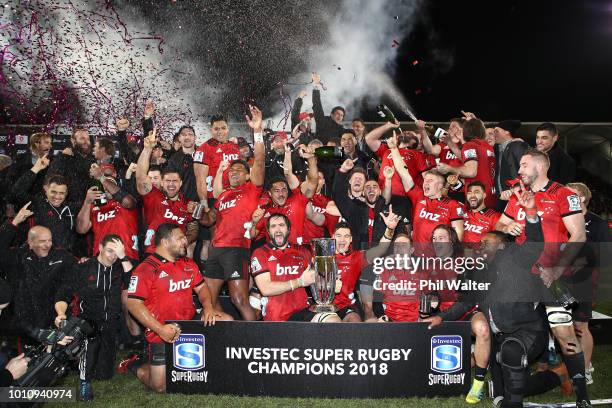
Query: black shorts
[[157, 353], [304, 315], [354, 308], [583, 312], [227, 263]]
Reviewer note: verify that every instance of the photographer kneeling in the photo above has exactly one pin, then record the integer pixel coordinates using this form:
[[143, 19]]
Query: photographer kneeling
[[97, 285]]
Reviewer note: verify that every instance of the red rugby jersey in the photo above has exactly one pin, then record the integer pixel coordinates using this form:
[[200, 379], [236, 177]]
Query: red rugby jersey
[[282, 265], [212, 153], [166, 289]]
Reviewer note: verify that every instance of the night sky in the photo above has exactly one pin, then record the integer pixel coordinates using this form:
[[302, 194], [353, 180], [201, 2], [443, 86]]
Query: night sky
[[530, 60]]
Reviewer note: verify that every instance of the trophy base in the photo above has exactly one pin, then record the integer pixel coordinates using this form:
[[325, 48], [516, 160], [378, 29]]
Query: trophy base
[[325, 309]]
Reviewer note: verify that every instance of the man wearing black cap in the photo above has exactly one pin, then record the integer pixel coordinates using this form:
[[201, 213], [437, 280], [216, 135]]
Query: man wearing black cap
[[508, 152], [562, 167], [327, 126]]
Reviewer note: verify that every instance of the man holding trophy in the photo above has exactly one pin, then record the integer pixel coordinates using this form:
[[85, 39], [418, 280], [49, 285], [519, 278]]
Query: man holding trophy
[[282, 271]]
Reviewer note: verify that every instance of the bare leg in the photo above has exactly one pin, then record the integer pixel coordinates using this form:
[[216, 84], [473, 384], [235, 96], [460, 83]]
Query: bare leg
[[239, 293]]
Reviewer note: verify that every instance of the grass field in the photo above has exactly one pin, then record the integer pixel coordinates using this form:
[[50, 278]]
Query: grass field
[[126, 391]]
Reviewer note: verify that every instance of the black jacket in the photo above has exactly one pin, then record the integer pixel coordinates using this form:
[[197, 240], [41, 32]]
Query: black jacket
[[36, 282], [98, 290], [61, 221], [326, 127], [507, 165], [562, 167], [355, 212], [75, 169], [22, 165], [513, 290]]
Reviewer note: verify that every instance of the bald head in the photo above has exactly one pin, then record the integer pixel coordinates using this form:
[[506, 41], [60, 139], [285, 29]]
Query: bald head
[[40, 241]]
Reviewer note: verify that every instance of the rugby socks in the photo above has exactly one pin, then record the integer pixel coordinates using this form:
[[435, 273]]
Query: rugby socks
[[575, 368], [479, 373]]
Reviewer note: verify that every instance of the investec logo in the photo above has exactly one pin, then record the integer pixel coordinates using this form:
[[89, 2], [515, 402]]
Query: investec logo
[[446, 358], [189, 352]]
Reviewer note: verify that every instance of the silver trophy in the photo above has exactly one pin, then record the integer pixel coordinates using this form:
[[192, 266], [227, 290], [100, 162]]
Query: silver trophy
[[326, 273]]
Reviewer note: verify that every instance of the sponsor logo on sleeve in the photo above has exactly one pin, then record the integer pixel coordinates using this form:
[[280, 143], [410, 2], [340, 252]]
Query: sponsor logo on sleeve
[[133, 284]]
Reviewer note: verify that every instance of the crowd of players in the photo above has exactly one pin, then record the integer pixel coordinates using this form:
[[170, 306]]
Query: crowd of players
[[128, 238]]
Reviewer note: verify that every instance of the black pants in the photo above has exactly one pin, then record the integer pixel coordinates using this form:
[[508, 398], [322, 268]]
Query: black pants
[[98, 359], [511, 379]]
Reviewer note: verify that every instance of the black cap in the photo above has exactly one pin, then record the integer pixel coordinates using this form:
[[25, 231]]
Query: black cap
[[242, 142], [5, 292], [509, 125]]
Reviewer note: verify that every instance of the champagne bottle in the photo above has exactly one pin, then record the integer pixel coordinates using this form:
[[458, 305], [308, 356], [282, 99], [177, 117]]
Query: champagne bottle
[[102, 200], [386, 114], [560, 291], [329, 152]]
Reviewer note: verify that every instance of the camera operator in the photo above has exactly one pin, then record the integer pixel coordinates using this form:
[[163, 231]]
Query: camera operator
[[35, 273], [97, 285], [17, 366], [519, 329]]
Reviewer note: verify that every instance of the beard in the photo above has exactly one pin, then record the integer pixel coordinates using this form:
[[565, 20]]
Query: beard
[[83, 149], [274, 240]]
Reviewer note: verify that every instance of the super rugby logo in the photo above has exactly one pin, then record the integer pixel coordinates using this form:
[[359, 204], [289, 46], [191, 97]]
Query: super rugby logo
[[188, 352], [446, 354]]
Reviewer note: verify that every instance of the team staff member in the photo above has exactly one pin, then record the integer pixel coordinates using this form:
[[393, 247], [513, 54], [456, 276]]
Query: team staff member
[[281, 272], [97, 286], [479, 219], [431, 208], [165, 205], [160, 290], [228, 259], [50, 209], [36, 274], [561, 216]]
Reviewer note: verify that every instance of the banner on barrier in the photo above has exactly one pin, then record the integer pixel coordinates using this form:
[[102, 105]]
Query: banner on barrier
[[348, 360]]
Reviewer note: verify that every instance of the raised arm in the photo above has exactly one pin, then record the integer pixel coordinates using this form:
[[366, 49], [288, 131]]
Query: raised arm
[[258, 170], [218, 181], [317, 106], [379, 250], [309, 186], [386, 193], [297, 108], [291, 178], [427, 145], [143, 184], [373, 137], [22, 186], [398, 163]]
